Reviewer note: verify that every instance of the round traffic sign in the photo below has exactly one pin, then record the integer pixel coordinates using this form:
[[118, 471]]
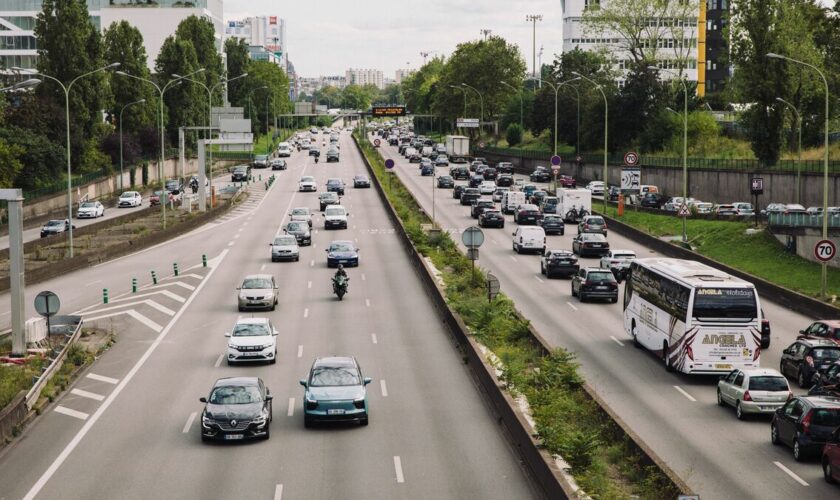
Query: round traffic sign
[[631, 158], [47, 304], [473, 237], [389, 163], [825, 250], [556, 160], [377, 142]]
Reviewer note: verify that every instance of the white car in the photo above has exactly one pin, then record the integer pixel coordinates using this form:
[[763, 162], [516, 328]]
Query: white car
[[284, 150], [130, 199], [499, 193], [744, 208], [487, 187], [307, 183], [304, 144], [617, 260], [335, 216], [284, 247], [252, 339], [702, 207], [302, 214], [90, 209], [753, 390], [596, 187]]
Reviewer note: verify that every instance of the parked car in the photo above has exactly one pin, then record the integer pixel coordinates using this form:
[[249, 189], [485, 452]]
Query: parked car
[[257, 291], [334, 391], [831, 458], [726, 209], [130, 199], [90, 210], [559, 263], [596, 187], [552, 224], [590, 244], [753, 390], [593, 224], [805, 359], [613, 193], [491, 218], [526, 214], [55, 226], [342, 252], [794, 208], [805, 423], [252, 339], [822, 329], [237, 408], [744, 209], [361, 181], [445, 182], [284, 247], [702, 207], [674, 204], [774, 208], [594, 283]]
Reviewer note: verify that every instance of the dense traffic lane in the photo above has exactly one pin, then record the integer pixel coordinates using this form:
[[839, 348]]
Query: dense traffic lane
[[430, 433], [675, 414]]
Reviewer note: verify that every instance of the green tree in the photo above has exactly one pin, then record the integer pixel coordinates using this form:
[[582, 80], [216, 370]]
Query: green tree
[[186, 104], [238, 61], [513, 134], [200, 32], [355, 97], [266, 74], [642, 97]]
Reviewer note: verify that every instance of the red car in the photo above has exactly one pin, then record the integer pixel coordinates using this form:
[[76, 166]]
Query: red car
[[831, 458], [567, 181], [823, 329]]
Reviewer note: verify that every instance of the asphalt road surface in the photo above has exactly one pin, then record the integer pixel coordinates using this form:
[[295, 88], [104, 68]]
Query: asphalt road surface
[[129, 427], [677, 415]]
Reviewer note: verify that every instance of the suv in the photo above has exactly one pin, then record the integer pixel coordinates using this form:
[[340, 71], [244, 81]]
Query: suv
[[596, 283], [479, 206], [252, 339], [653, 200], [504, 167], [469, 195], [806, 359], [559, 263], [549, 205], [239, 174], [590, 244], [552, 224], [459, 173], [260, 161], [335, 186], [490, 217], [593, 224], [805, 423], [332, 154], [526, 214]]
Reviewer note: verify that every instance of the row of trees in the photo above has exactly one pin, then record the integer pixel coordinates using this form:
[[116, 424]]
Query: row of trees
[[71, 49], [355, 96]]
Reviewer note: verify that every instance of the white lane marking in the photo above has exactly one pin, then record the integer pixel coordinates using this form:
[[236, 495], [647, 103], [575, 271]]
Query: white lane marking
[[572, 306], [791, 474], [316, 231], [86, 394], [617, 341], [218, 362], [363, 277], [93, 282], [311, 263], [262, 267], [102, 378], [189, 423], [314, 245], [300, 351], [539, 279], [278, 492], [72, 413], [163, 309], [239, 230], [244, 224], [306, 313], [291, 410], [236, 236], [384, 388], [309, 285], [367, 302], [373, 338], [51, 470], [514, 258], [398, 468], [231, 243], [687, 395], [134, 314]]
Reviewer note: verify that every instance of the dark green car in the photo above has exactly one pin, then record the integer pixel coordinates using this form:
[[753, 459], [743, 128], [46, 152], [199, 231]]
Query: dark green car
[[335, 392]]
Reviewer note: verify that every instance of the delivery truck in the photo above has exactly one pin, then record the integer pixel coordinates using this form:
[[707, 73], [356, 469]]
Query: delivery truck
[[457, 146]]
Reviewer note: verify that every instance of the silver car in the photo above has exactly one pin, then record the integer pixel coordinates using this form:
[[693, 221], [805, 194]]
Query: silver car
[[753, 390], [258, 291], [301, 214], [284, 247]]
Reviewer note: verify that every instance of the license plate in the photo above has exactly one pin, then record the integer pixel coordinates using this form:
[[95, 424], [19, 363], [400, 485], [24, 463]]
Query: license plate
[[721, 366], [342, 262], [335, 412], [233, 437], [250, 353], [596, 245], [600, 288]]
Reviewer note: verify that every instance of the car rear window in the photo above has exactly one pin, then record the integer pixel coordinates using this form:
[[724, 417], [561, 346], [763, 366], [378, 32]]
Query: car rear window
[[826, 353], [826, 417], [768, 384], [600, 276]]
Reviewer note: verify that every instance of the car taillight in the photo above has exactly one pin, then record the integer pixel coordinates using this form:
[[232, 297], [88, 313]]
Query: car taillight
[[806, 422], [747, 396]]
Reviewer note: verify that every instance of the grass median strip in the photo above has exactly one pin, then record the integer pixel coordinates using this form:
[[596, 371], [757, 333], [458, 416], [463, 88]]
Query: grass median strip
[[602, 459]]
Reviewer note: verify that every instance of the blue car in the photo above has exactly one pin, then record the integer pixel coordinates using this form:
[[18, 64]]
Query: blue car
[[335, 392], [427, 170], [342, 252]]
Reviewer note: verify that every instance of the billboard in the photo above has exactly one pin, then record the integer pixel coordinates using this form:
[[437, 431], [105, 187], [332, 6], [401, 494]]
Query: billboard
[[467, 123], [387, 111]]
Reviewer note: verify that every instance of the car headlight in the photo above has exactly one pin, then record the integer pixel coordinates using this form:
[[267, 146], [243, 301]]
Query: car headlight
[[207, 421], [261, 419], [231, 345]]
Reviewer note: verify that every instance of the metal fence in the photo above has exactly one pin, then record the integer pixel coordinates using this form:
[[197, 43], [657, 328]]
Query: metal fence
[[803, 220]]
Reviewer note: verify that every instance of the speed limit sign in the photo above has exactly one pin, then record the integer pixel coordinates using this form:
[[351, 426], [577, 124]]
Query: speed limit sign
[[825, 250]]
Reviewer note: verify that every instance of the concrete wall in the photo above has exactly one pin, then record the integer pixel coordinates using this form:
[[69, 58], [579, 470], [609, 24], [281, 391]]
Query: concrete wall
[[806, 241]]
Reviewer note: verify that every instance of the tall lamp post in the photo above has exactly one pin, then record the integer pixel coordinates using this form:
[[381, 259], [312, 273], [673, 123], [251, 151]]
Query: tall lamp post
[[799, 145], [824, 280], [533, 18], [556, 89], [481, 101], [161, 91], [606, 130], [66, 89], [121, 138]]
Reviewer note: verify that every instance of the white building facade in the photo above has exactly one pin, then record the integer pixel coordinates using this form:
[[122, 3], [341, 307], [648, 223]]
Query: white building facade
[[265, 34], [401, 74], [363, 77]]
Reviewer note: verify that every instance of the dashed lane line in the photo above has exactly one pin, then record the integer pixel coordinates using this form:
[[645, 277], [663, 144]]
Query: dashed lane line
[[189, 423], [70, 412], [291, 411], [687, 395], [791, 474], [617, 341], [102, 378], [86, 394], [398, 469]]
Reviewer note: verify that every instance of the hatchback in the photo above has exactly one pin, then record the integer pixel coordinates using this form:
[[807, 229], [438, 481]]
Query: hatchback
[[327, 199], [445, 182], [823, 329], [594, 283], [594, 244], [805, 359], [335, 186], [469, 195], [805, 423], [505, 180], [252, 339], [335, 391], [593, 224], [753, 390], [361, 181], [237, 408], [300, 230], [284, 247]]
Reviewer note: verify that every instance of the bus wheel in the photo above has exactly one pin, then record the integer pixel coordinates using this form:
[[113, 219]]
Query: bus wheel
[[635, 337], [666, 358]]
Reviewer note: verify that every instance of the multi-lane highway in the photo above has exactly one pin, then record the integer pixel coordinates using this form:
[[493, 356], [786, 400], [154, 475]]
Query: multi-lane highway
[[129, 426], [677, 415]]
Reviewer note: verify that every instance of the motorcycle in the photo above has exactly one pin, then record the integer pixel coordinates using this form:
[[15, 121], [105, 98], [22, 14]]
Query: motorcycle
[[316, 159], [340, 284]]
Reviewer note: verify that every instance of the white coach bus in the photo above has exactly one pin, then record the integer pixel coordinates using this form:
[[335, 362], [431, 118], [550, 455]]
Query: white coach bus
[[698, 319]]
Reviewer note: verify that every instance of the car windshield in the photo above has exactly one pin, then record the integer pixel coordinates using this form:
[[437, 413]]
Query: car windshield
[[307, 179], [328, 196], [285, 241], [300, 211], [235, 395], [341, 247], [55, 223], [768, 384], [551, 218], [331, 376], [600, 276], [335, 211], [250, 330], [256, 283], [736, 303], [127, 195], [334, 182], [88, 204], [826, 353], [295, 226], [826, 417]]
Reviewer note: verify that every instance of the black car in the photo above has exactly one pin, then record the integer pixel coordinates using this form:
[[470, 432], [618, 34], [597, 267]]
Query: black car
[[237, 408], [458, 190], [490, 174], [459, 173], [239, 174], [260, 161], [300, 230], [469, 195], [559, 263], [805, 423], [552, 224], [313, 151], [335, 186], [504, 167], [476, 181], [538, 196], [415, 158], [278, 164], [613, 193], [806, 359], [592, 244], [332, 154], [541, 174], [55, 227], [504, 180], [653, 200], [526, 214], [491, 218], [479, 206], [446, 182], [361, 181], [595, 283]]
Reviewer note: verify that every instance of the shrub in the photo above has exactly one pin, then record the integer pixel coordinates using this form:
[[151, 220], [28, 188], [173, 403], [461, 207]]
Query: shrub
[[513, 134]]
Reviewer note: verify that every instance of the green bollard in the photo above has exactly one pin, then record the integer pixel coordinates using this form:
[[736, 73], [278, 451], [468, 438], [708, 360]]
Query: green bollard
[[104, 295], [175, 268], [154, 278], [204, 260], [133, 285], [260, 176]]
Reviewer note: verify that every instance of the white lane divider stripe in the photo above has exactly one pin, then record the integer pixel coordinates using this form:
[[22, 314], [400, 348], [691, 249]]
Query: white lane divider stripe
[[278, 492], [291, 411], [367, 302], [86, 394], [231, 243], [539, 279], [218, 362], [306, 313], [384, 388], [262, 267], [687, 395], [373, 338], [363, 277], [189, 423], [102, 378], [514, 258], [300, 351], [72, 413], [311, 263], [572, 306], [398, 468], [791, 474], [309, 285], [617, 341]]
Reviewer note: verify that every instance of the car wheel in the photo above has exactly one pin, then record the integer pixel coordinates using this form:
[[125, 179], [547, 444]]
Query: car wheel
[[765, 343], [573, 291], [720, 400], [582, 296], [798, 452], [229, 362], [739, 412], [827, 473], [665, 358], [307, 421], [241, 310], [297, 259], [562, 232], [267, 431], [774, 434], [636, 342], [364, 420]]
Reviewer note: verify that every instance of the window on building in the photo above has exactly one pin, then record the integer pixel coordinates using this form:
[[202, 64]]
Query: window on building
[[591, 4]]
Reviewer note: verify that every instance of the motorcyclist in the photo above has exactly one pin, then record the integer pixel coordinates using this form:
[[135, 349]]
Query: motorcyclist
[[194, 185], [340, 271]]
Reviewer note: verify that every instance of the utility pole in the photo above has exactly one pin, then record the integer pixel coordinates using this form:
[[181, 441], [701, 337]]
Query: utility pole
[[539, 59], [424, 55], [533, 18], [486, 32]]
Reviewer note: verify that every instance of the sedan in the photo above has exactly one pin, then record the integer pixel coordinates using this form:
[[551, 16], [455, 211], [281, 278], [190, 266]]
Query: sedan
[[328, 198], [342, 252], [313, 151], [335, 391], [459, 173], [300, 230], [130, 199], [487, 187], [458, 190], [252, 339], [239, 174], [567, 181], [284, 247], [595, 283], [258, 291], [361, 181], [278, 164], [552, 224], [505, 180], [469, 195], [237, 408], [527, 214], [307, 183], [559, 263], [590, 244], [441, 161], [302, 214], [445, 182], [491, 218], [753, 390], [55, 226], [823, 329], [335, 186], [541, 174], [90, 209]]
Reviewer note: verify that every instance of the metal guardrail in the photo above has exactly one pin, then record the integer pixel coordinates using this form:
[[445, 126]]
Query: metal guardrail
[[71, 327], [803, 220]]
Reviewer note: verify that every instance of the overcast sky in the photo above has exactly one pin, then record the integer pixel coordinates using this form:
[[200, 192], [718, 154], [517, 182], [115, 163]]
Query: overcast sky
[[325, 37]]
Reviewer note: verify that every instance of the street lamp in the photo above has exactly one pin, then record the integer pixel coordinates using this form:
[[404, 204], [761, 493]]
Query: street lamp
[[31, 82], [685, 142], [481, 101], [824, 281], [606, 130], [799, 146], [556, 90], [121, 138], [170, 84], [533, 18], [462, 89], [66, 90], [521, 120]]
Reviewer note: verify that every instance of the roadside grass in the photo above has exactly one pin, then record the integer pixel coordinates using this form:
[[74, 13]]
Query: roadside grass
[[602, 458], [727, 242]]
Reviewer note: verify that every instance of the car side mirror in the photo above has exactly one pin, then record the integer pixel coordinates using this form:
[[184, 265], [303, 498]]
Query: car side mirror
[[269, 397], [275, 333], [203, 400], [227, 334], [302, 382], [801, 332], [367, 380]]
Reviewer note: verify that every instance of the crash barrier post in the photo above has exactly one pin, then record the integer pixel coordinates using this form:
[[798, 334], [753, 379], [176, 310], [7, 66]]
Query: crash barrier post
[[154, 278], [104, 295], [133, 285]]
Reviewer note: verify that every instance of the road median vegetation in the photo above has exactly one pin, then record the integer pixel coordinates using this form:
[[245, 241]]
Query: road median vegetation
[[601, 457]]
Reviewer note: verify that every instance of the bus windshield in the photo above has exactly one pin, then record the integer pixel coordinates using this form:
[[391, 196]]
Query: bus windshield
[[728, 303]]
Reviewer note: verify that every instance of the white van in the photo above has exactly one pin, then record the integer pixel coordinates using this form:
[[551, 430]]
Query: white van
[[284, 150], [529, 238], [409, 152], [511, 200]]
